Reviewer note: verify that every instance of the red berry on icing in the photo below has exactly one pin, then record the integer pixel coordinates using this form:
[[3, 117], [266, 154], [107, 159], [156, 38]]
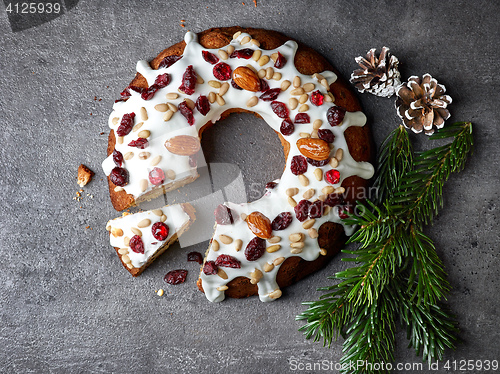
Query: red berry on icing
[[227, 261], [203, 105], [233, 83], [270, 95], [126, 124], [176, 276], [136, 244], [140, 143], [316, 209], [210, 268], [187, 112], [332, 176], [159, 230], [168, 61], [326, 135], [345, 210], [287, 127], [150, 92], [156, 176], [271, 185], [195, 256], [282, 221], [264, 86], [245, 53], [317, 98], [222, 71], [298, 165], [188, 81], [334, 199], [280, 61], [302, 118], [125, 94], [255, 249], [280, 109], [162, 80], [119, 176], [317, 163], [335, 115], [302, 210], [210, 57], [117, 158], [223, 215]]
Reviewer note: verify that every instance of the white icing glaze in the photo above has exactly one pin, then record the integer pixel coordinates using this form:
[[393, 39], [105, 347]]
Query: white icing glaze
[[273, 202]]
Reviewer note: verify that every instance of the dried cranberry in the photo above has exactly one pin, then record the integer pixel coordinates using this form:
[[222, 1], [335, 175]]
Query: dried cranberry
[[150, 92], [203, 105], [126, 124], [335, 115], [168, 61], [193, 162], [316, 209], [282, 221], [264, 86], [334, 199], [210, 57], [156, 176], [140, 143], [270, 95], [125, 94], [187, 112], [162, 80], [159, 230], [280, 109], [326, 135], [222, 71], [298, 165], [280, 61], [302, 210], [223, 215], [119, 176], [227, 261], [245, 53], [196, 257], [287, 127], [188, 81], [317, 98], [302, 118], [176, 276], [345, 211], [255, 249], [210, 268], [332, 176], [117, 158], [271, 185], [317, 163], [233, 83], [136, 244]]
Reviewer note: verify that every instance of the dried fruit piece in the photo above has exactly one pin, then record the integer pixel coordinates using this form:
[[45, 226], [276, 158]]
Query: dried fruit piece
[[280, 109], [302, 118], [334, 199], [287, 127], [271, 185], [270, 94], [317, 98], [210, 268], [332, 176], [188, 81], [160, 230], [282, 221], [222, 71], [264, 86], [302, 210], [148, 93], [210, 57], [162, 80], [176, 276], [187, 112], [156, 176], [136, 244], [196, 257], [335, 115], [117, 158], [140, 143], [119, 176], [298, 165], [280, 61], [168, 61], [183, 145], [326, 135], [227, 261], [245, 53], [316, 149], [316, 209], [259, 224], [126, 124], [317, 163], [255, 249], [223, 215], [246, 79], [234, 85], [203, 105], [345, 211]]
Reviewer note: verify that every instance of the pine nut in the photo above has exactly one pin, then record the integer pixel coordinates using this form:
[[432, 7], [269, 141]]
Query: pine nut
[[256, 55], [230, 49], [115, 120], [339, 190], [118, 189], [263, 60], [161, 107], [296, 251], [157, 212], [277, 76], [268, 267], [317, 124], [245, 40], [269, 72], [236, 34], [308, 87], [130, 266], [190, 103], [285, 84], [309, 223], [199, 79], [292, 202], [251, 68], [211, 97], [324, 83], [274, 239], [136, 231], [119, 140], [238, 244], [144, 114], [115, 231], [292, 191], [339, 154], [297, 91], [168, 116], [223, 88], [305, 135], [223, 54], [293, 103], [143, 184], [215, 245], [326, 210], [221, 273], [170, 174], [329, 98], [220, 100], [309, 193], [318, 174], [303, 108], [276, 294], [172, 107], [322, 251], [303, 98], [273, 248], [278, 261], [322, 197], [255, 42], [225, 239], [261, 73], [256, 274], [163, 218], [334, 162], [144, 223], [296, 81], [313, 233], [296, 237], [314, 134], [172, 95], [274, 56], [222, 288], [252, 101], [243, 216], [214, 84], [155, 161], [126, 259], [298, 245], [123, 251], [303, 180], [144, 155], [128, 156], [137, 126]]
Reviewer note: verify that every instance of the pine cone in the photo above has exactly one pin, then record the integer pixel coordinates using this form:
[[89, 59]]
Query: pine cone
[[421, 104], [379, 76]]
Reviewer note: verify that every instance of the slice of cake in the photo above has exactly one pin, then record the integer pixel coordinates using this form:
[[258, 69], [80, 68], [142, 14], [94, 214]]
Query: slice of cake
[[140, 238]]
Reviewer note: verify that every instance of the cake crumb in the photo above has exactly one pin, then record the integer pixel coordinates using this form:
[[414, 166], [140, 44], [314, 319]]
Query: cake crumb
[[84, 175], [160, 292]]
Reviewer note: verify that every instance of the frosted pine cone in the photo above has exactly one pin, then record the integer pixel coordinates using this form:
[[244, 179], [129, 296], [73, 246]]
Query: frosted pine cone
[[379, 76], [421, 104]]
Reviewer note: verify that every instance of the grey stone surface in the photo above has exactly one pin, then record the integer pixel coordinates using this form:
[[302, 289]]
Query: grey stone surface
[[66, 303]]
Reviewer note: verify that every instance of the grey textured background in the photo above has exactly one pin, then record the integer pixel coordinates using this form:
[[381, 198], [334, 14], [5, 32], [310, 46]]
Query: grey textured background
[[67, 305]]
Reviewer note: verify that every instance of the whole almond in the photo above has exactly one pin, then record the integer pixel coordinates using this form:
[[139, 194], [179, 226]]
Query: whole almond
[[259, 224], [246, 79], [183, 145], [316, 149]]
